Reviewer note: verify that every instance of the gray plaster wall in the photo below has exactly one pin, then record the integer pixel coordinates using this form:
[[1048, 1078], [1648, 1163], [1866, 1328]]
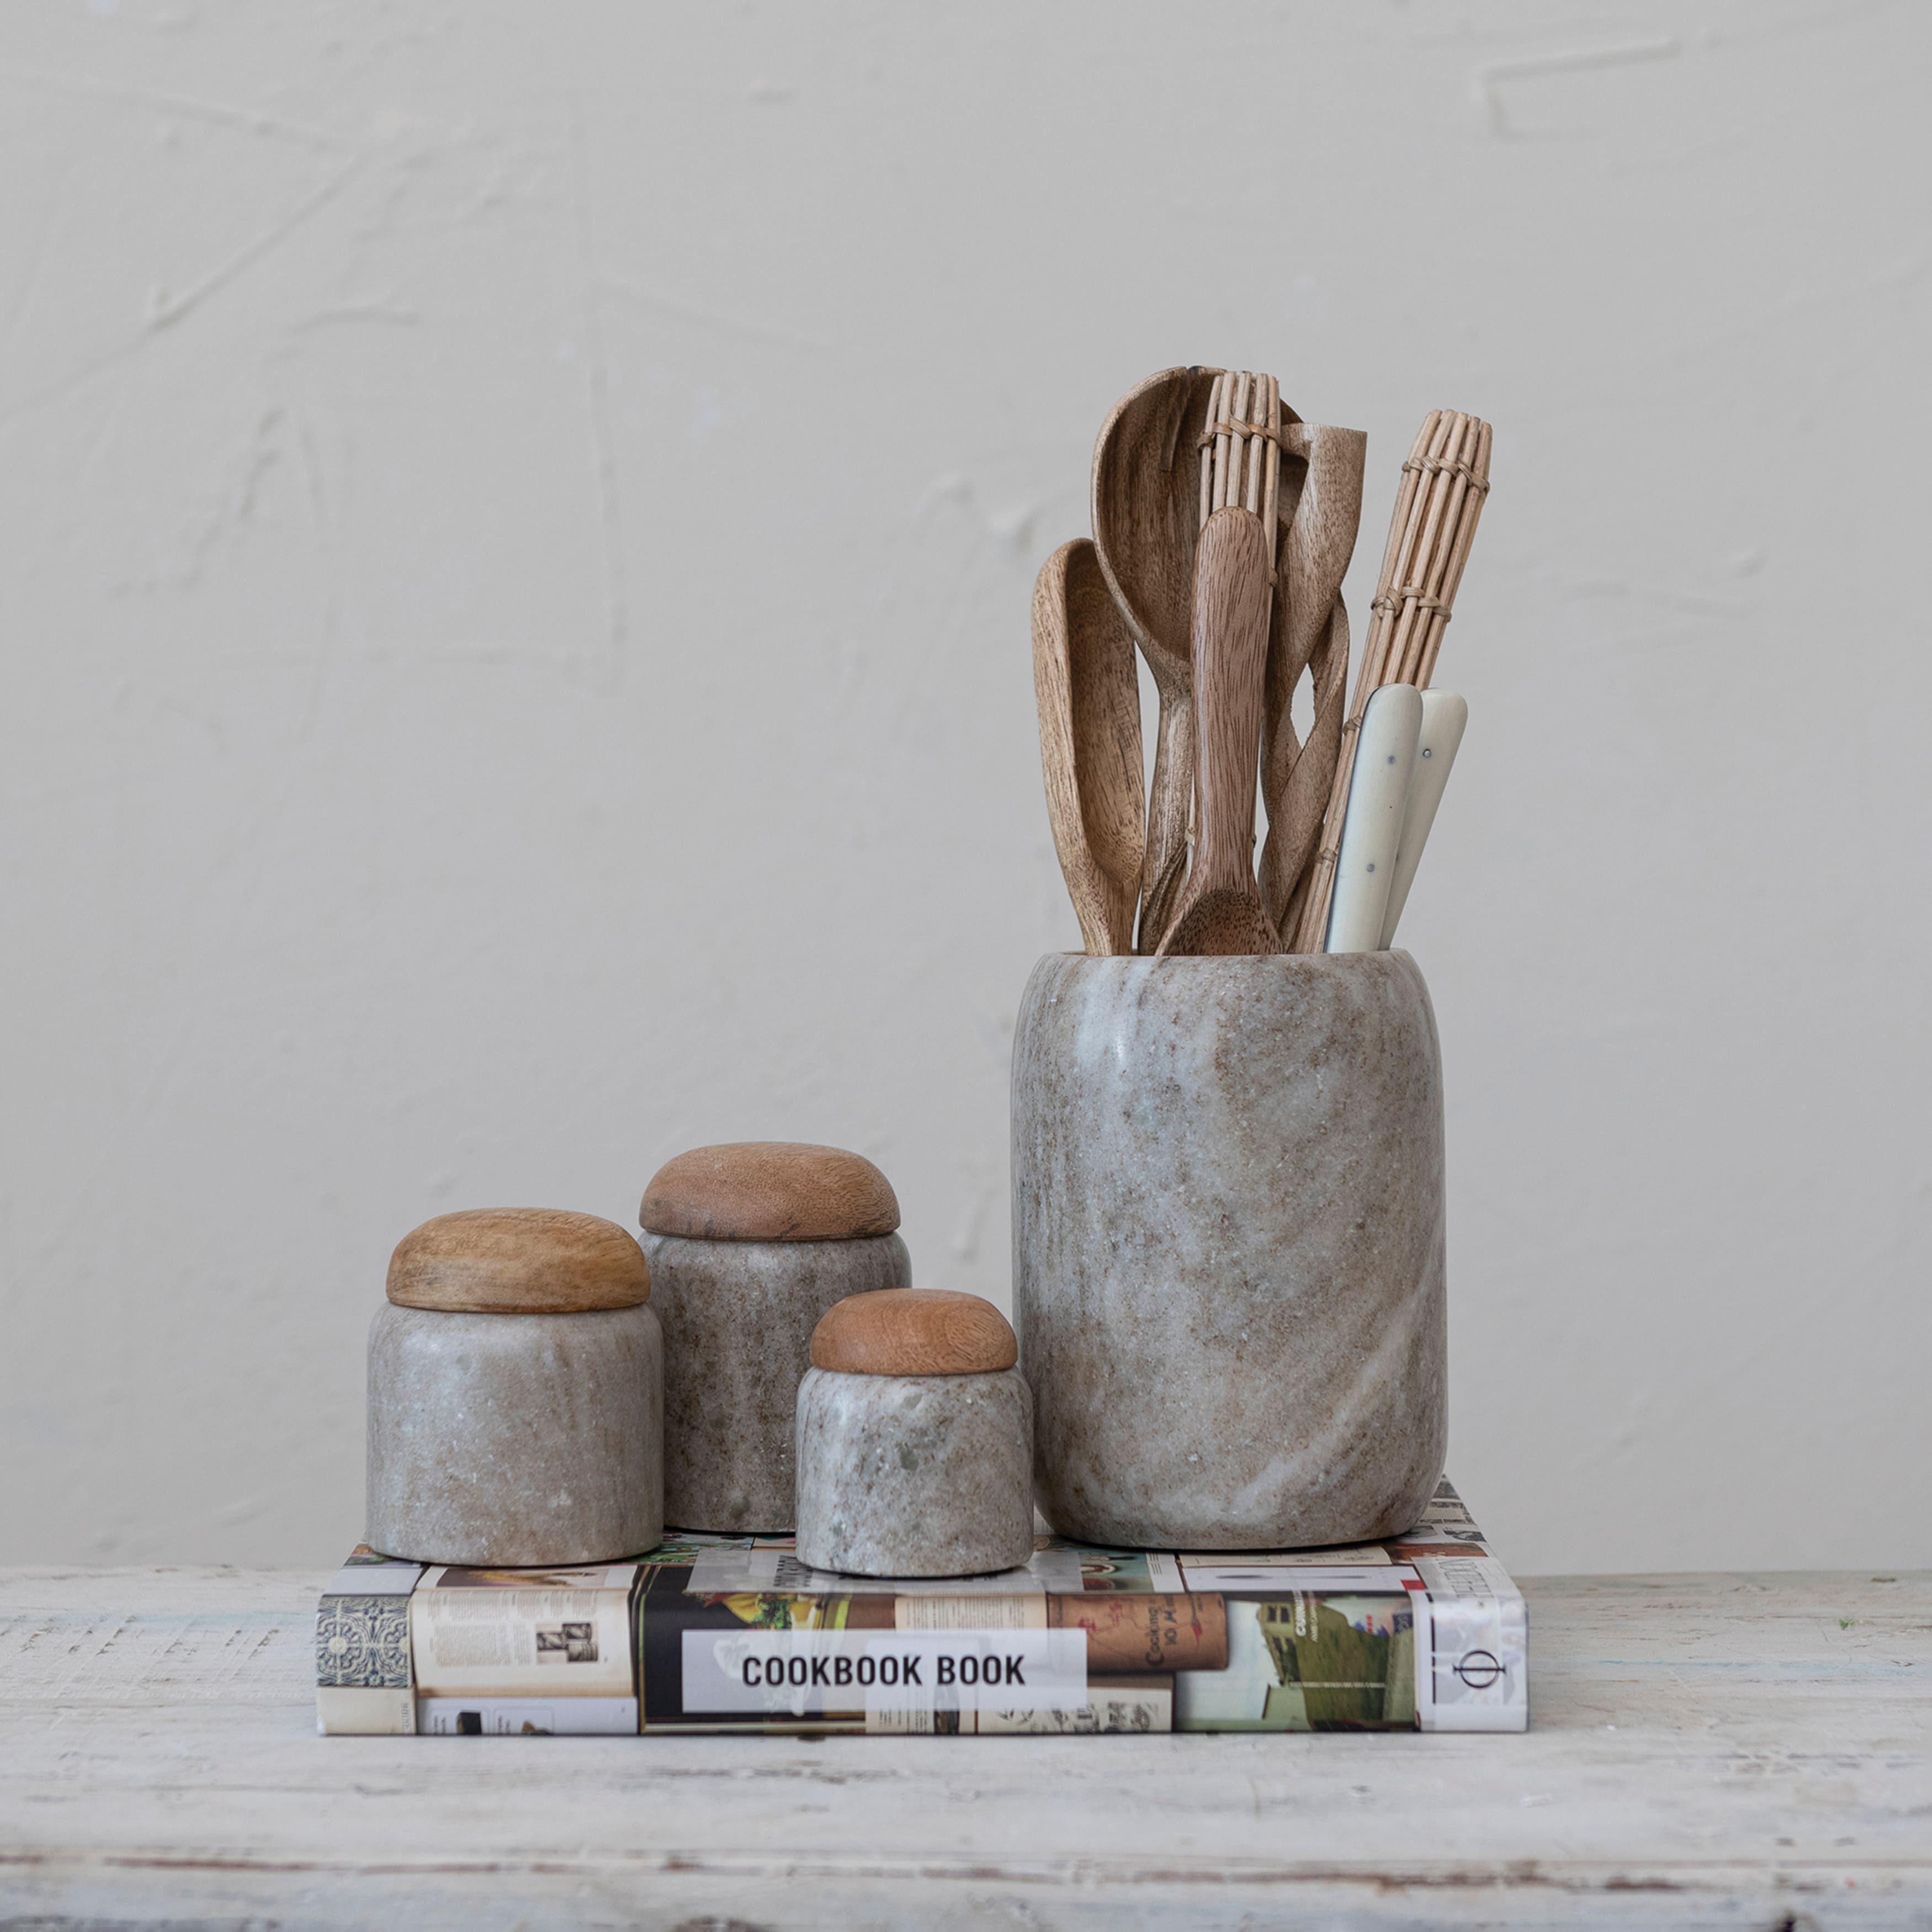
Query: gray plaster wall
[[517, 526]]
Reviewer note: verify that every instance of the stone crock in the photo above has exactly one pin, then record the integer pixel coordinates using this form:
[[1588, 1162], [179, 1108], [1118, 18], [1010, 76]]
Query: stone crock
[[516, 1394], [749, 1243], [915, 1439], [1228, 1274]]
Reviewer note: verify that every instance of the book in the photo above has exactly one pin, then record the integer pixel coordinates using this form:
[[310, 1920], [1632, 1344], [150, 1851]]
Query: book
[[720, 1634], [364, 1682]]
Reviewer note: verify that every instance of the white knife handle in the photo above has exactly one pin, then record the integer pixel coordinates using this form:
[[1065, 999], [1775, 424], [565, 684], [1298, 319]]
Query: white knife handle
[[1443, 716], [1371, 827]]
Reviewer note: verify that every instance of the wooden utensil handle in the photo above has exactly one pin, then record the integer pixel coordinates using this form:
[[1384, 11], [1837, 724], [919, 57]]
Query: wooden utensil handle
[[1230, 652]]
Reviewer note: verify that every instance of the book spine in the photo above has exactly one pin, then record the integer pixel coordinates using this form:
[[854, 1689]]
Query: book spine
[[1471, 1652], [364, 1686]]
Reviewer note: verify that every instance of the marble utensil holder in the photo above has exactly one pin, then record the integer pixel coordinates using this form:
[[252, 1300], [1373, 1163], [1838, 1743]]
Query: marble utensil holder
[[516, 1403], [749, 1243], [1227, 1247], [915, 1439]]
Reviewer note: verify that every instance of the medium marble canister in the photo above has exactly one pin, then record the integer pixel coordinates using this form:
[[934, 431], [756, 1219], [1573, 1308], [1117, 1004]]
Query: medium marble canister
[[516, 1406], [1228, 1247], [915, 1439], [749, 1243]]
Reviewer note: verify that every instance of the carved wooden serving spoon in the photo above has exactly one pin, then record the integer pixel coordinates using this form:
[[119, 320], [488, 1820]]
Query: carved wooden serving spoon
[[1146, 519], [1089, 742], [1220, 908]]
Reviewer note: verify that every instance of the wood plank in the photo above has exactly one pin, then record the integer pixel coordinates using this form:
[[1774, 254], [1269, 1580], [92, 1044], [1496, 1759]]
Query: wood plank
[[1718, 1749]]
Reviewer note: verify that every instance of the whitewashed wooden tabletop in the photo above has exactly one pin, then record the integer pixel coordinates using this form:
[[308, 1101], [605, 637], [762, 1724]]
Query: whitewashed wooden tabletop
[[1736, 1750]]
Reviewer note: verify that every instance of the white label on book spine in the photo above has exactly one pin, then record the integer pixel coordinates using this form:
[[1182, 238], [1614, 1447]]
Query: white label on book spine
[[1471, 1648], [798, 1673]]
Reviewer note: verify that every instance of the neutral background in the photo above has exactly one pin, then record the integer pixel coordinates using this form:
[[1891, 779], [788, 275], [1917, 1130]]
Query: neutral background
[[516, 528]]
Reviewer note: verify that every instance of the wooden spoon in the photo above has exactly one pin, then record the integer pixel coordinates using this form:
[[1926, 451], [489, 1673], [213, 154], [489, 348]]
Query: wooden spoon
[[1309, 633], [1146, 519], [1220, 910], [1088, 690]]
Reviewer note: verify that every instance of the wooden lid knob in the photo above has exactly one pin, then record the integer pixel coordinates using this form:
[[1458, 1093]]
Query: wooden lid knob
[[913, 1331], [518, 1260], [769, 1191]]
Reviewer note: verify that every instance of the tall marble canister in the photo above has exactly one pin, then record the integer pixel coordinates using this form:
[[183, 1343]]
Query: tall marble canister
[[749, 1243], [516, 1406], [1228, 1247]]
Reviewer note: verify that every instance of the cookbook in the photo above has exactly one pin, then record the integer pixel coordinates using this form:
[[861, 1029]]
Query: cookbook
[[1421, 1632]]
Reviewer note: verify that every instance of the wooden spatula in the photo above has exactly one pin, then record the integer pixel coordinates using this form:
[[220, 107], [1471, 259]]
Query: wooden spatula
[[1220, 908], [1089, 742], [1310, 635], [1146, 523]]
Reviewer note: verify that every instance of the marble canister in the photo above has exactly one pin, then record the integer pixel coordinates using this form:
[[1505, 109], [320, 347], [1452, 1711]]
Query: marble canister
[[516, 1410], [915, 1440], [749, 1243], [1228, 1274]]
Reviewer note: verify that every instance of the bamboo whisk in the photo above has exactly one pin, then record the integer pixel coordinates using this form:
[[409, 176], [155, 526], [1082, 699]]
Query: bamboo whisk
[[1240, 450], [1443, 483]]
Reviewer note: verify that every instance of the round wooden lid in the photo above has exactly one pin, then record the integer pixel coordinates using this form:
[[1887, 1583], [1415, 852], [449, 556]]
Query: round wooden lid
[[769, 1191], [518, 1260], [913, 1331]]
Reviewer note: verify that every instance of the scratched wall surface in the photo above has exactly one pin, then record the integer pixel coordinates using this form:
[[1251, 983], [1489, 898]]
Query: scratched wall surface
[[516, 528]]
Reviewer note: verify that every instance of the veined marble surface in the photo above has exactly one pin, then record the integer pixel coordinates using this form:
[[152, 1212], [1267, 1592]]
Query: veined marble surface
[[1228, 1274], [914, 1475], [515, 1439], [738, 1317]]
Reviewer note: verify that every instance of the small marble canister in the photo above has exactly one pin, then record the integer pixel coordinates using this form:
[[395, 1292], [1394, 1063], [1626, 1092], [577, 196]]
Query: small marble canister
[[749, 1243], [1228, 1247], [516, 1403], [915, 1439]]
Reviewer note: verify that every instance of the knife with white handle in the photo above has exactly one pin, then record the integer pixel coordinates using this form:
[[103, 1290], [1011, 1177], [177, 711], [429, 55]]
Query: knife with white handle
[[1371, 826], [1443, 716]]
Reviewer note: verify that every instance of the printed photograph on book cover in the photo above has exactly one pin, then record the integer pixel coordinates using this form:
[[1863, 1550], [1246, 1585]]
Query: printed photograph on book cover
[[1303, 1663], [568, 1643]]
